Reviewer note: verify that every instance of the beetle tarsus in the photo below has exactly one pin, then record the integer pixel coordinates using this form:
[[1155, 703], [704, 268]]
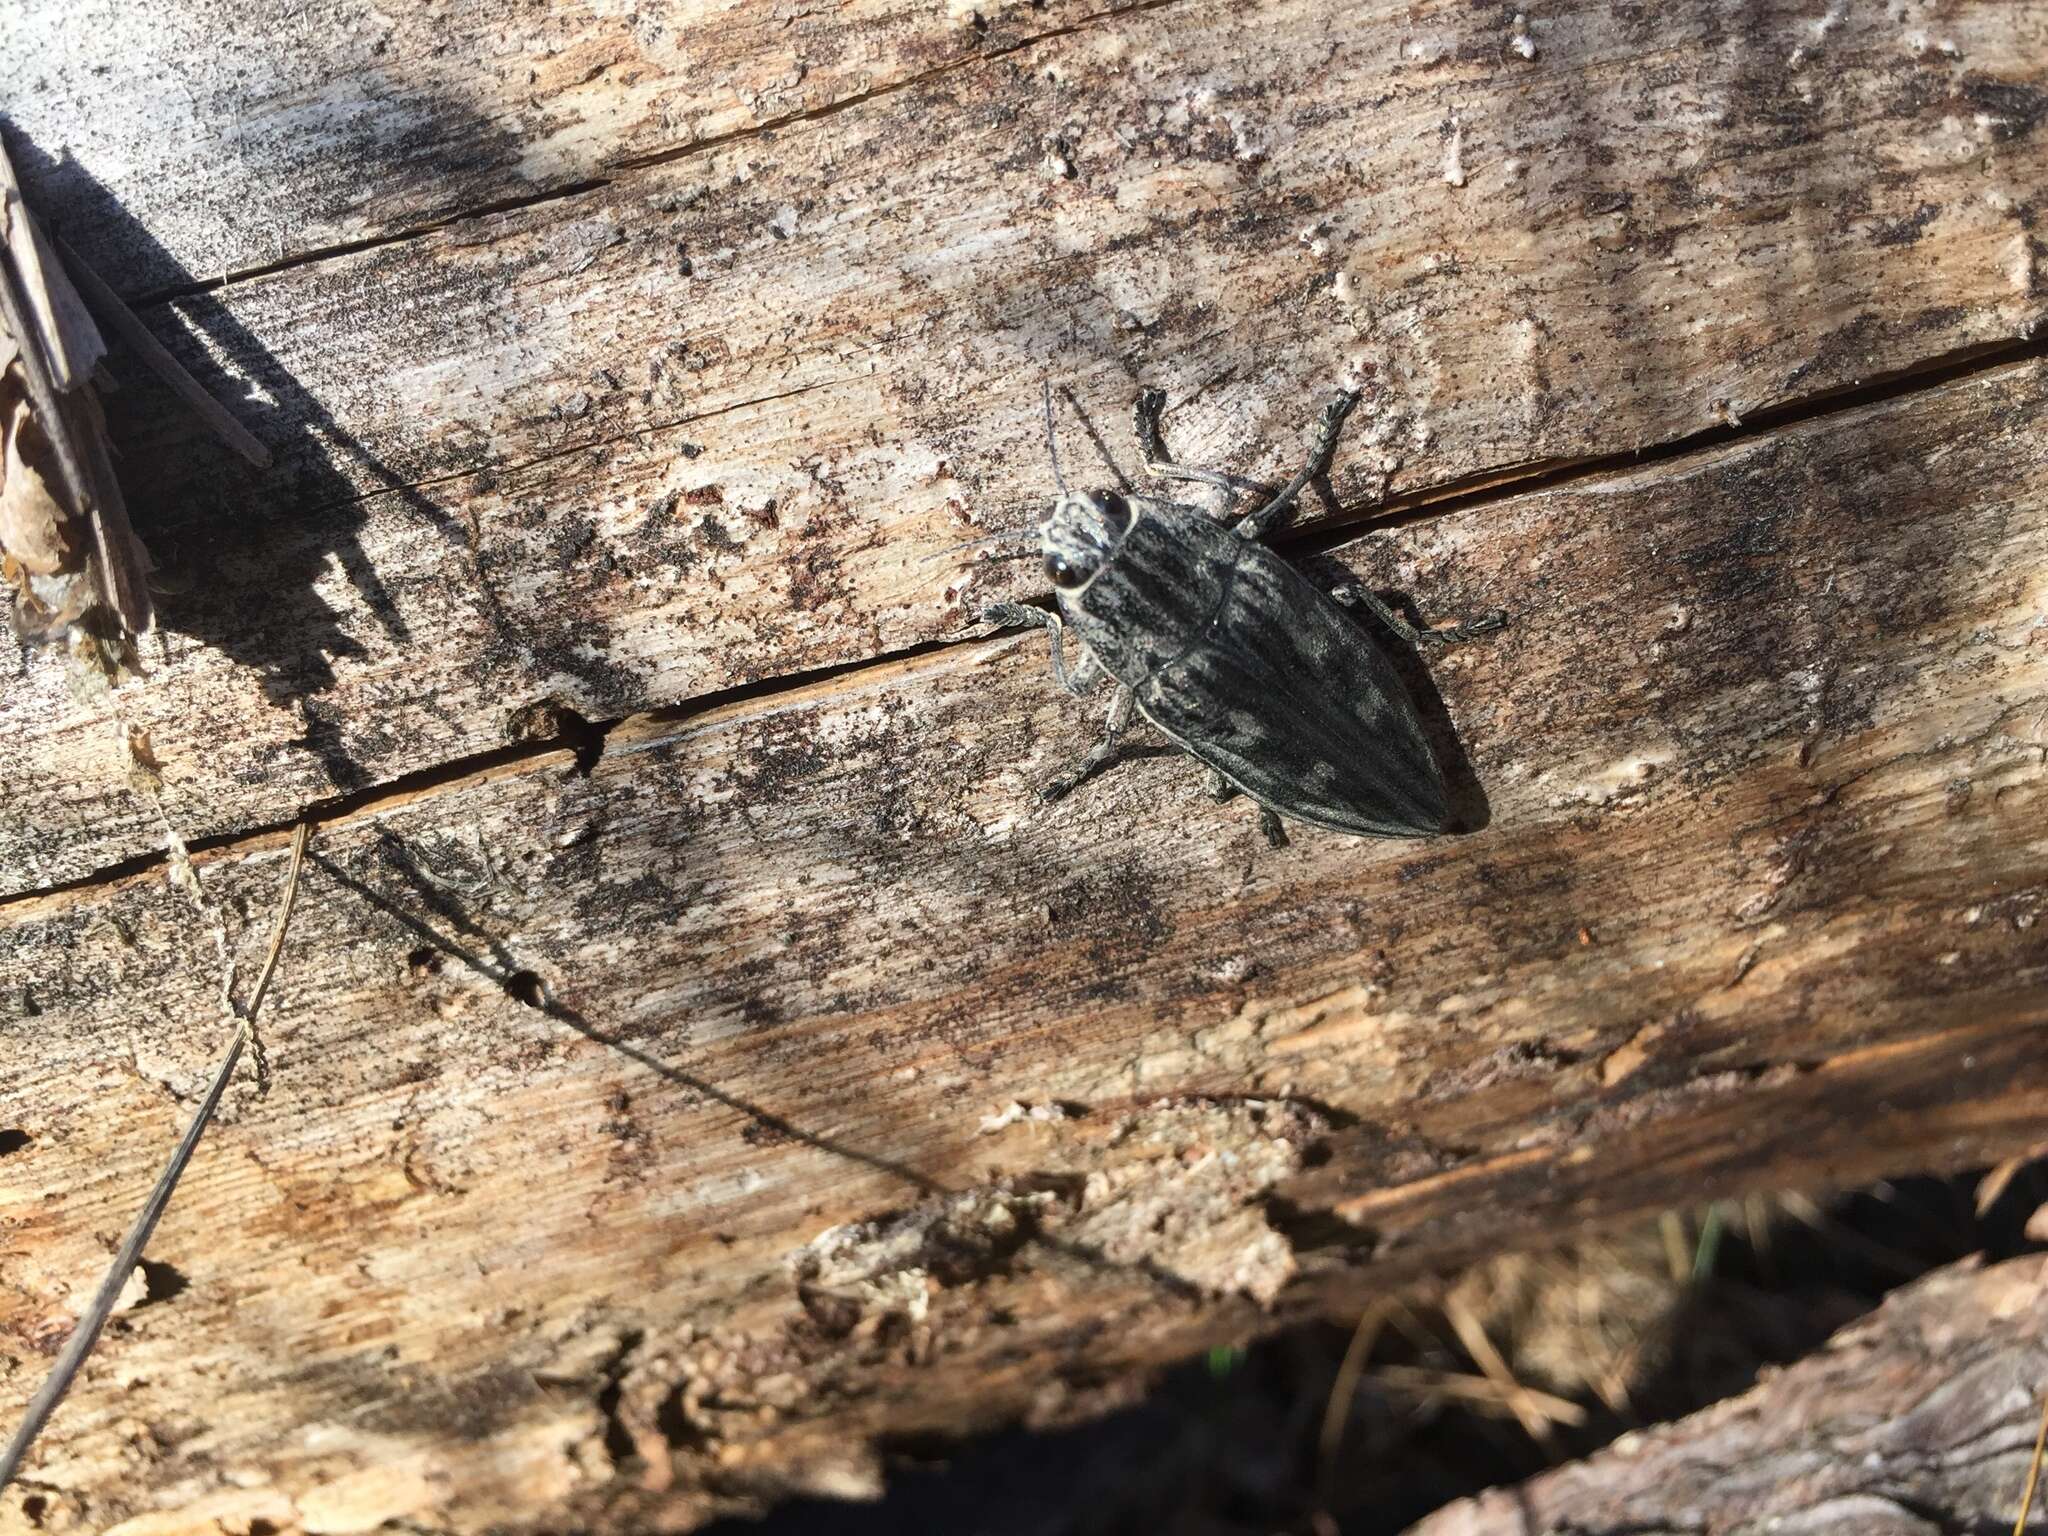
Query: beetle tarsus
[[1351, 595], [1269, 824], [1059, 788], [1472, 629], [1017, 615], [1220, 789], [1257, 525], [1011, 615], [1157, 461], [1099, 754]]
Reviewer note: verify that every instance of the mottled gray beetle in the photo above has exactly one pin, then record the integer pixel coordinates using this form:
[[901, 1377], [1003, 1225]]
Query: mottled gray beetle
[[1233, 653]]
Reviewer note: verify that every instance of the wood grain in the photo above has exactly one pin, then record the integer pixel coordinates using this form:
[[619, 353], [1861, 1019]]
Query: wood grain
[[220, 129], [1917, 1419], [647, 1137], [708, 421]]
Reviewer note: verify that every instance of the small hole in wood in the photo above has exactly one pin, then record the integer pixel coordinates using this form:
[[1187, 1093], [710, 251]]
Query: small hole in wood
[[424, 961], [528, 988], [13, 1141], [161, 1282], [675, 1424]]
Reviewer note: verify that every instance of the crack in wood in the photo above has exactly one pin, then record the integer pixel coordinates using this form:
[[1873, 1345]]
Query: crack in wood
[[1341, 529]]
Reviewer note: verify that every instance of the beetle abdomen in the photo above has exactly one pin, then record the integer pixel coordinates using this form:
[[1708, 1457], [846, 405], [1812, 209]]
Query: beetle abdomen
[[1289, 698]]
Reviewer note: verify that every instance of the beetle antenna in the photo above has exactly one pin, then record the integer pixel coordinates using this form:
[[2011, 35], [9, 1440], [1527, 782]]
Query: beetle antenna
[[983, 543], [1051, 445], [1095, 437]]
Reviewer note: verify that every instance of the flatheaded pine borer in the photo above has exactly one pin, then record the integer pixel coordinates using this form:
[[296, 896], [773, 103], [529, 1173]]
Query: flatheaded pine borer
[[1235, 655]]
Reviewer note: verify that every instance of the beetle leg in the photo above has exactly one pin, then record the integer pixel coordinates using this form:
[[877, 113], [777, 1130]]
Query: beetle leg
[[1352, 595], [1220, 788], [1269, 823], [1100, 753], [1256, 525], [1153, 446], [1076, 682]]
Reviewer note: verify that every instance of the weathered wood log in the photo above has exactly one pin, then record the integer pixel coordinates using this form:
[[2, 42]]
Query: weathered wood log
[[700, 415], [652, 1134], [665, 1119], [1918, 1419]]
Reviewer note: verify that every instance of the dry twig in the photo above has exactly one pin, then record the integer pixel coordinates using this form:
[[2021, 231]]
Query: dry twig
[[87, 1332]]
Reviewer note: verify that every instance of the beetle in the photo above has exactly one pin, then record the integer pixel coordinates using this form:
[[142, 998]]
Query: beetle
[[1234, 654]]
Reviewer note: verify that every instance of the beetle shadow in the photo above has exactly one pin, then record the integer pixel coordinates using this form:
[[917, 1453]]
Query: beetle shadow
[[241, 553]]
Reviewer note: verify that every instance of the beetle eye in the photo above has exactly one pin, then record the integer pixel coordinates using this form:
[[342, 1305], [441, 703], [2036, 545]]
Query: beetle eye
[[1062, 575], [1116, 512]]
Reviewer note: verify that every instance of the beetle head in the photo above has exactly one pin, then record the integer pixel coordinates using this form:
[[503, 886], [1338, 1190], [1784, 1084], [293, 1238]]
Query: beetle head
[[1080, 533]]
